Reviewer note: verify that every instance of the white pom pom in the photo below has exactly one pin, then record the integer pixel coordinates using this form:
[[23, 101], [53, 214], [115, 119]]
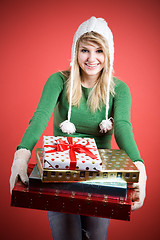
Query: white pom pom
[[106, 125], [67, 127]]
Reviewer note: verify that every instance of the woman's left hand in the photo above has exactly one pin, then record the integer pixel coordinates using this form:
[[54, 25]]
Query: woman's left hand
[[139, 191]]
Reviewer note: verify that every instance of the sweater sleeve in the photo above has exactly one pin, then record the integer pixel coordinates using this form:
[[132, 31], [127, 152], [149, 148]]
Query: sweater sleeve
[[122, 125], [41, 116]]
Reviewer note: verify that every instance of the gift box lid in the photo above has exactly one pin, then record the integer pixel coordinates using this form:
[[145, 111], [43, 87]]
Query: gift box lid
[[72, 153], [115, 164]]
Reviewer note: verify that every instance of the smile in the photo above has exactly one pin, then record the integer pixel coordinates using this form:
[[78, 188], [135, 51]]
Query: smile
[[91, 66]]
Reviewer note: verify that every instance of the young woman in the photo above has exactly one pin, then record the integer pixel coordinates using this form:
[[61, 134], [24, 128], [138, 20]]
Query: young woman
[[87, 102]]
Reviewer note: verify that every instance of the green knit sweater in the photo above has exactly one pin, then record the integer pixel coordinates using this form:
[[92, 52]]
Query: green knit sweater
[[86, 122]]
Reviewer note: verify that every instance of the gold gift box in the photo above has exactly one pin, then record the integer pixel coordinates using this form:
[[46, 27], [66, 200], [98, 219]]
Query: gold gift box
[[115, 164]]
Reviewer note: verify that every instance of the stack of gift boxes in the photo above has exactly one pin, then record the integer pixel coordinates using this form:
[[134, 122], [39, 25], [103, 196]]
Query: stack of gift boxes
[[73, 176]]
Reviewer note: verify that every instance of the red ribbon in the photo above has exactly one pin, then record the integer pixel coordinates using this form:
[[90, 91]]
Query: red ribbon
[[73, 147]]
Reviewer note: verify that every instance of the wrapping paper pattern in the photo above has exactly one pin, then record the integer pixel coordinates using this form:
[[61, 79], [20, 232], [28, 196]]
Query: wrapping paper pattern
[[61, 160], [113, 166]]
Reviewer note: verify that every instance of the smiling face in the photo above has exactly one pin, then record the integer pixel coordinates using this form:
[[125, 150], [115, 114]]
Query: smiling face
[[91, 59]]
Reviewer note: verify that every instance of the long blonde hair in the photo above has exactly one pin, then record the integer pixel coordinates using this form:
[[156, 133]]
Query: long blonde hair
[[97, 96]]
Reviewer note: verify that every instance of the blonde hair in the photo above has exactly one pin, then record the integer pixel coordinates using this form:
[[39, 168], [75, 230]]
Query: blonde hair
[[97, 96]]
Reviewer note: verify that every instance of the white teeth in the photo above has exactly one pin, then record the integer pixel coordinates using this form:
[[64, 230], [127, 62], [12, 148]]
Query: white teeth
[[91, 65]]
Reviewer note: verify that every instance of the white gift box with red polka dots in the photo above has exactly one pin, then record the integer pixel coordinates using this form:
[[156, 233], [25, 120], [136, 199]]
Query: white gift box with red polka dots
[[71, 153]]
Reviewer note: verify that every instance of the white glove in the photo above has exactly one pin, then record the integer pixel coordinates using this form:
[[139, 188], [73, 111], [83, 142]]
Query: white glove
[[139, 192], [19, 167]]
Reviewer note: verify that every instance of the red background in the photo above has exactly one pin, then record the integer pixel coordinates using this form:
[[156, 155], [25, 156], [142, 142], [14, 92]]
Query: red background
[[36, 39]]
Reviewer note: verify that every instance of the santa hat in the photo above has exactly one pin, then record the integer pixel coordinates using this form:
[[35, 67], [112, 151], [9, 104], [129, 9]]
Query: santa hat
[[100, 26]]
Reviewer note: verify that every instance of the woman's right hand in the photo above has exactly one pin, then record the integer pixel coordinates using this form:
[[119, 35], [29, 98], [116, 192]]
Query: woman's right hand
[[19, 167]]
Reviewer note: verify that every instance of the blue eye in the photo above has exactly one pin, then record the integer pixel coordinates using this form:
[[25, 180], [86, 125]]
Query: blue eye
[[84, 50], [100, 51]]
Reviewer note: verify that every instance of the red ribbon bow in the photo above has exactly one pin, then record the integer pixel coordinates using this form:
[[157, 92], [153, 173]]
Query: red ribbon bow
[[74, 147]]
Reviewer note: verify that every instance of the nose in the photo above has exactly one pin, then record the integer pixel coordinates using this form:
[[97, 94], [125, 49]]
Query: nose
[[91, 57]]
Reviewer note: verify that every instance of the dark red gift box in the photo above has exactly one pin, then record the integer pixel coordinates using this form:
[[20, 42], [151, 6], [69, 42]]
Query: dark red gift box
[[71, 202]]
